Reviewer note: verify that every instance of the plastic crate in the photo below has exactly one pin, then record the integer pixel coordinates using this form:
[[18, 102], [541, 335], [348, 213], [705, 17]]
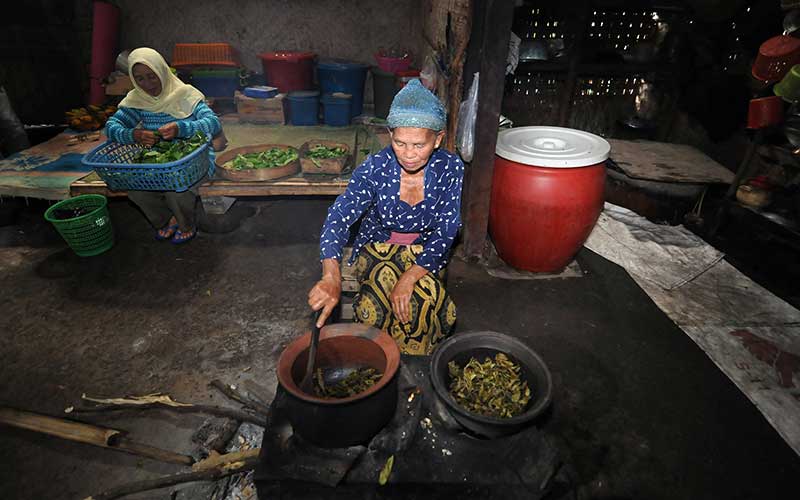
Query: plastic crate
[[112, 162], [204, 54]]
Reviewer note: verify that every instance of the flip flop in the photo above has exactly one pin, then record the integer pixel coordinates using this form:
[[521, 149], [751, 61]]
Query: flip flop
[[169, 231], [180, 237]]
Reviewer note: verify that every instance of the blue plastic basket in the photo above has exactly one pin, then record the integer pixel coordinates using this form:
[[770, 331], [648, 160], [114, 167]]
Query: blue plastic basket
[[111, 161]]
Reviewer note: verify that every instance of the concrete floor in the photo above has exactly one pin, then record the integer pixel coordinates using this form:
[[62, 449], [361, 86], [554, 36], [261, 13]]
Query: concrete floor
[[640, 409]]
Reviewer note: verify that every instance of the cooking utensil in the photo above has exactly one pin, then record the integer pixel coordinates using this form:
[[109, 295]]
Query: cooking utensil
[[791, 21], [340, 422], [306, 385], [121, 62]]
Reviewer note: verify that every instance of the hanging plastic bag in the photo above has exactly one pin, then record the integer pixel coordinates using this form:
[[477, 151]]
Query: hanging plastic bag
[[465, 131]]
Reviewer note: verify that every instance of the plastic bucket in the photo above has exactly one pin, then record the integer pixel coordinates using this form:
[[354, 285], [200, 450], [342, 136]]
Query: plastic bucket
[[765, 112], [336, 109], [547, 193], [789, 87], [336, 75], [288, 71], [384, 90], [393, 64], [89, 232], [775, 57], [303, 107], [403, 77]]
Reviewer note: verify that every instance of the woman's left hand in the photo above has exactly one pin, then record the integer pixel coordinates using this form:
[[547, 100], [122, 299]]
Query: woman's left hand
[[401, 297], [169, 131]]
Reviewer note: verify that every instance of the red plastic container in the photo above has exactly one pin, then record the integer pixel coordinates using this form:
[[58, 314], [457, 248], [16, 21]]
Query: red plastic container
[[547, 193], [105, 34], [775, 57], [393, 64], [765, 112], [403, 77], [288, 71]]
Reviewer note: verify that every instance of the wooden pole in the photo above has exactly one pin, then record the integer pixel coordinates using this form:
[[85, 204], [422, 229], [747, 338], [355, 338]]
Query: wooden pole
[[491, 37], [245, 462], [87, 434]]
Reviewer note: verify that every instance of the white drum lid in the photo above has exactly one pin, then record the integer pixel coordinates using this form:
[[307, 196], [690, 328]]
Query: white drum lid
[[552, 147]]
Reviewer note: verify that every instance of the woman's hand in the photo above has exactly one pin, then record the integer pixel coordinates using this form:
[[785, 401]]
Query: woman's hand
[[146, 137], [401, 297], [169, 131], [401, 293], [326, 293]]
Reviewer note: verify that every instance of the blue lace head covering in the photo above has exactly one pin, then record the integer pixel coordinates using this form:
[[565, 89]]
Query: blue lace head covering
[[416, 106]]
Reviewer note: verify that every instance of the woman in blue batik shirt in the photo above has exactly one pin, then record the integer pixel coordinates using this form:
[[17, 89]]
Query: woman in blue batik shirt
[[409, 195], [160, 102]]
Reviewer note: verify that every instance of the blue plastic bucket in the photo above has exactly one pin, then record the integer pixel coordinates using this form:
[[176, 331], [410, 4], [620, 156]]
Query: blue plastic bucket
[[336, 75], [303, 107], [336, 109]]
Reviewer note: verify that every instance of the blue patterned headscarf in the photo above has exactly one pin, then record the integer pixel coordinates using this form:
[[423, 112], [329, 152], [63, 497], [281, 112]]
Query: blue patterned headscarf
[[416, 106]]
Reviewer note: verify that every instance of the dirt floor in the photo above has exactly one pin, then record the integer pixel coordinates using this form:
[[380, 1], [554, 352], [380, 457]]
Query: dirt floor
[[640, 410]]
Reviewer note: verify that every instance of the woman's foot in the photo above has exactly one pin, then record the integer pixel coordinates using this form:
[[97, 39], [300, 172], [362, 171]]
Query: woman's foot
[[167, 231], [183, 236]]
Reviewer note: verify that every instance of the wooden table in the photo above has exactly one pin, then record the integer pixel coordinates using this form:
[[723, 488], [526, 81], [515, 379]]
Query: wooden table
[[297, 185]]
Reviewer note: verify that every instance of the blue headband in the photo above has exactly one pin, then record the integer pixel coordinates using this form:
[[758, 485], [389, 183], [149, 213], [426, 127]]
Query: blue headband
[[416, 106]]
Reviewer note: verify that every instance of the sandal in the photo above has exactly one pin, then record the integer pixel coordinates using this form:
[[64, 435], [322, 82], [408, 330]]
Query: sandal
[[181, 237], [166, 232]]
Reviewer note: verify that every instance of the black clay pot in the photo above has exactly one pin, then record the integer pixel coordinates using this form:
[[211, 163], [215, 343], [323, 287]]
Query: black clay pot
[[460, 348], [338, 423]]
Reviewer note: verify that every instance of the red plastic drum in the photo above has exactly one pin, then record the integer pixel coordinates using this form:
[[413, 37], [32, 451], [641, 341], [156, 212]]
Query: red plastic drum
[[547, 193]]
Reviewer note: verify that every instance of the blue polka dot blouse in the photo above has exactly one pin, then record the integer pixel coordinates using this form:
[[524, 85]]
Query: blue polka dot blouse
[[374, 192]]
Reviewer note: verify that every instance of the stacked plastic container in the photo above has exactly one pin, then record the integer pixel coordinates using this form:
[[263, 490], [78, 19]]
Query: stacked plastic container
[[347, 77], [214, 68], [384, 80]]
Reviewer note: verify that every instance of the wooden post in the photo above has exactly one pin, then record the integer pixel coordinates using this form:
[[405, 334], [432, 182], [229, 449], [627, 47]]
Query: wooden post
[[489, 44]]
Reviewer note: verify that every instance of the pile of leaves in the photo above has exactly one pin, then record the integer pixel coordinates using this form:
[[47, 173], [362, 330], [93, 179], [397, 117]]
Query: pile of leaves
[[354, 383], [169, 151], [493, 388], [320, 152], [271, 158]]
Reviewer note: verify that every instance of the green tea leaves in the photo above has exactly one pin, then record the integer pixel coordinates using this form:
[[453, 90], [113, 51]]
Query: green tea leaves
[[493, 388]]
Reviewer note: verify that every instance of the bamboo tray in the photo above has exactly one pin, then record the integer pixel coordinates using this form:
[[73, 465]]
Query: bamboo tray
[[258, 174]]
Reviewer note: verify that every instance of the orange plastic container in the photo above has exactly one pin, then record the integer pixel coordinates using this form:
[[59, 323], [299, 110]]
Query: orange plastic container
[[204, 54]]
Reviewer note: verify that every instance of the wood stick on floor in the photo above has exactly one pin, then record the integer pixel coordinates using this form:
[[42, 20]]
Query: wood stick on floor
[[86, 433], [217, 472], [238, 396], [206, 409]]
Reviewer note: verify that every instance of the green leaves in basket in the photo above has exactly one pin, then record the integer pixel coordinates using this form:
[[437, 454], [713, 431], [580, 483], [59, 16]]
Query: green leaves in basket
[[493, 388], [169, 151], [271, 158], [320, 152]]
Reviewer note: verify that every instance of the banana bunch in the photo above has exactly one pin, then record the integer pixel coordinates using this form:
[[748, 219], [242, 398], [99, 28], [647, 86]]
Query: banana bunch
[[91, 117]]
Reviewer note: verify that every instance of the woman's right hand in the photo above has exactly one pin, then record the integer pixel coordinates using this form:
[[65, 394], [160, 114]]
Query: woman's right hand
[[325, 295], [146, 137]]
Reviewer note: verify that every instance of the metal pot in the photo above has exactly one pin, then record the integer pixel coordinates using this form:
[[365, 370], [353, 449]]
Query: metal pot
[[460, 348], [338, 423], [121, 62]]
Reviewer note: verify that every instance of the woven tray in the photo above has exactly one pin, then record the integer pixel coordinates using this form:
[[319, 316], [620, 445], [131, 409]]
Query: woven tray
[[323, 165], [260, 174]]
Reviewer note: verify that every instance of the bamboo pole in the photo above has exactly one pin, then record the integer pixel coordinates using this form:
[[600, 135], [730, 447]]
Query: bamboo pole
[[88, 434]]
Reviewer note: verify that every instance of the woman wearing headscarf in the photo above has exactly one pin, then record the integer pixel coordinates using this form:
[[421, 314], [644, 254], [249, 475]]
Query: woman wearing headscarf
[[161, 102], [409, 195]]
